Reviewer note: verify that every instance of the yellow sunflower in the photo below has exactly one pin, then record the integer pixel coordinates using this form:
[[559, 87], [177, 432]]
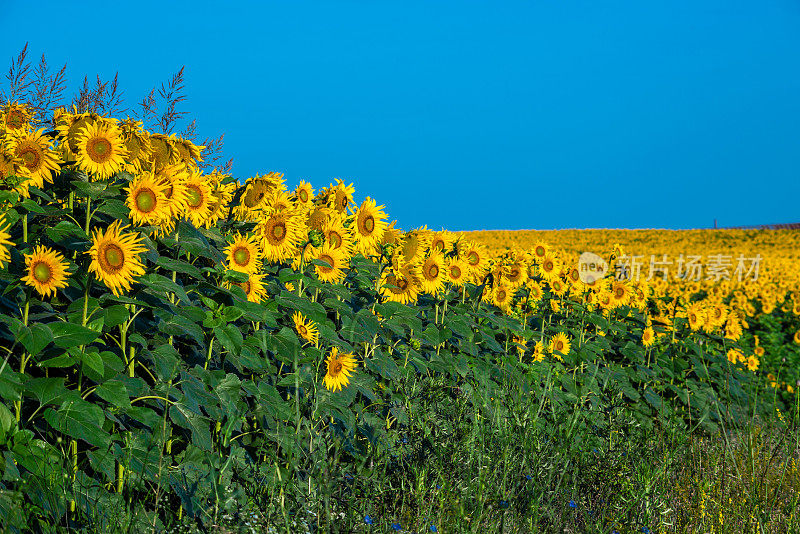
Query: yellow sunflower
[[559, 346], [549, 267], [401, 284], [442, 241], [163, 152], [341, 196], [501, 296], [538, 352], [339, 368], [535, 291], [35, 153], [392, 235], [305, 328], [795, 338], [188, 153], [539, 252], [433, 273], [304, 194], [475, 256], [221, 196], [620, 293], [648, 337], [256, 193], [5, 243], [338, 236], [457, 271], [735, 356], [414, 244], [281, 233], [147, 200], [47, 271], [137, 143], [16, 117], [174, 179], [244, 254], [253, 287], [335, 264], [319, 216], [370, 224], [696, 315], [198, 198], [101, 150], [115, 257]]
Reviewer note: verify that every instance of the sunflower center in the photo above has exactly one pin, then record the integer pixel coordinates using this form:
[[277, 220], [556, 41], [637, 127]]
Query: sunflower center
[[514, 273], [30, 157], [540, 251], [145, 200], [114, 256], [278, 231], [335, 239], [559, 346], [369, 224], [336, 368], [455, 272], [433, 271], [438, 244], [241, 256], [99, 149], [42, 272], [619, 293], [195, 197], [473, 258], [501, 295], [326, 259], [14, 119], [343, 202], [303, 195], [548, 266], [302, 330], [245, 287]]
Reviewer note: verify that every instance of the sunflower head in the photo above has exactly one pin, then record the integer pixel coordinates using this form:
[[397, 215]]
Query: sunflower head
[[305, 328], [116, 257], [101, 151], [244, 254], [16, 117], [339, 367], [46, 271]]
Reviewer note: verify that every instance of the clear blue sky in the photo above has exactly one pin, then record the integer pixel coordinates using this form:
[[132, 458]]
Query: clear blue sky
[[474, 115]]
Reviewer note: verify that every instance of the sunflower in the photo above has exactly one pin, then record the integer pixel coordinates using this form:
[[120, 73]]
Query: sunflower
[[442, 241], [457, 271], [46, 271], [5, 243], [198, 198], [734, 356], [433, 273], [620, 293], [147, 200], [335, 264], [279, 200], [305, 328], [549, 267], [253, 287], [539, 252], [535, 291], [115, 257], [558, 286], [174, 179], [188, 153], [304, 194], [341, 196], [16, 117], [502, 296], [35, 153], [559, 346], [318, 217], [538, 352], [796, 337], [163, 152], [280, 233], [392, 235], [370, 224], [254, 198], [339, 368], [243, 254], [648, 337], [475, 257], [414, 244], [101, 150], [752, 363], [520, 344], [516, 273], [137, 143], [696, 316], [401, 284], [339, 236], [221, 196]]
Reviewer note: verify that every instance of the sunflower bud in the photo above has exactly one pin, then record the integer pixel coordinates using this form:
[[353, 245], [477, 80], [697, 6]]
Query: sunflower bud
[[316, 238]]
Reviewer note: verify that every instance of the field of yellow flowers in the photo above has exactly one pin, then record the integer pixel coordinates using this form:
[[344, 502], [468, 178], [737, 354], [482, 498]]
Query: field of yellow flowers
[[185, 348]]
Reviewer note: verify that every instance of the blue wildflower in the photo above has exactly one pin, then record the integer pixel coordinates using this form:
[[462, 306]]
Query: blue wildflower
[[396, 526], [433, 528], [368, 520], [572, 504], [528, 477], [645, 530]]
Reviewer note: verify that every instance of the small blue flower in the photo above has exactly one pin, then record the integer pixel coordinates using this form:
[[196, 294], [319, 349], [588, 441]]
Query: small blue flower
[[368, 520], [528, 477], [433, 528], [504, 504], [615, 532], [645, 530], [572, 504], [396, 526], [438, 486]]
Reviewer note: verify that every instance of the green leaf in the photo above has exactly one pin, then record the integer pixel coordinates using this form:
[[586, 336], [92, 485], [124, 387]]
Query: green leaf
[[179, 266], [116, 315], [68, 335], [230, 337], [116, 208], [49, 390], [198, 425], [114, 391], [82, 420], [35, 338]]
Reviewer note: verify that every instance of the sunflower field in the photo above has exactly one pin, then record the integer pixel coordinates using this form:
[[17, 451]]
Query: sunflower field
[[183, 349]]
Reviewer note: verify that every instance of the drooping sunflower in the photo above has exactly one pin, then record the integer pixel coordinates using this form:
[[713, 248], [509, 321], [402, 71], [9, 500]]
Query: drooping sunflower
[[734, 356], [147, 200], [163, 152], [188, 153], [335, 263], [281, 233], [137, 143], [340, 196], [243, 254], [516, 272], [101, 150], [538, 352], [339, 368], [5, 243], [392, 235], [305, 328], [16, 117], [318, 216], [796, 337], [304, 194], [279, 200], [695, 314], [46, 270], [433, 273], [35, 153], [198, 198], [648, 337], [254, 198], [253, 287], [370, 224], [457, 271], [221, 196], [174, 179], [559, 346], [414, 244], [115, 257], [400, 284]]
